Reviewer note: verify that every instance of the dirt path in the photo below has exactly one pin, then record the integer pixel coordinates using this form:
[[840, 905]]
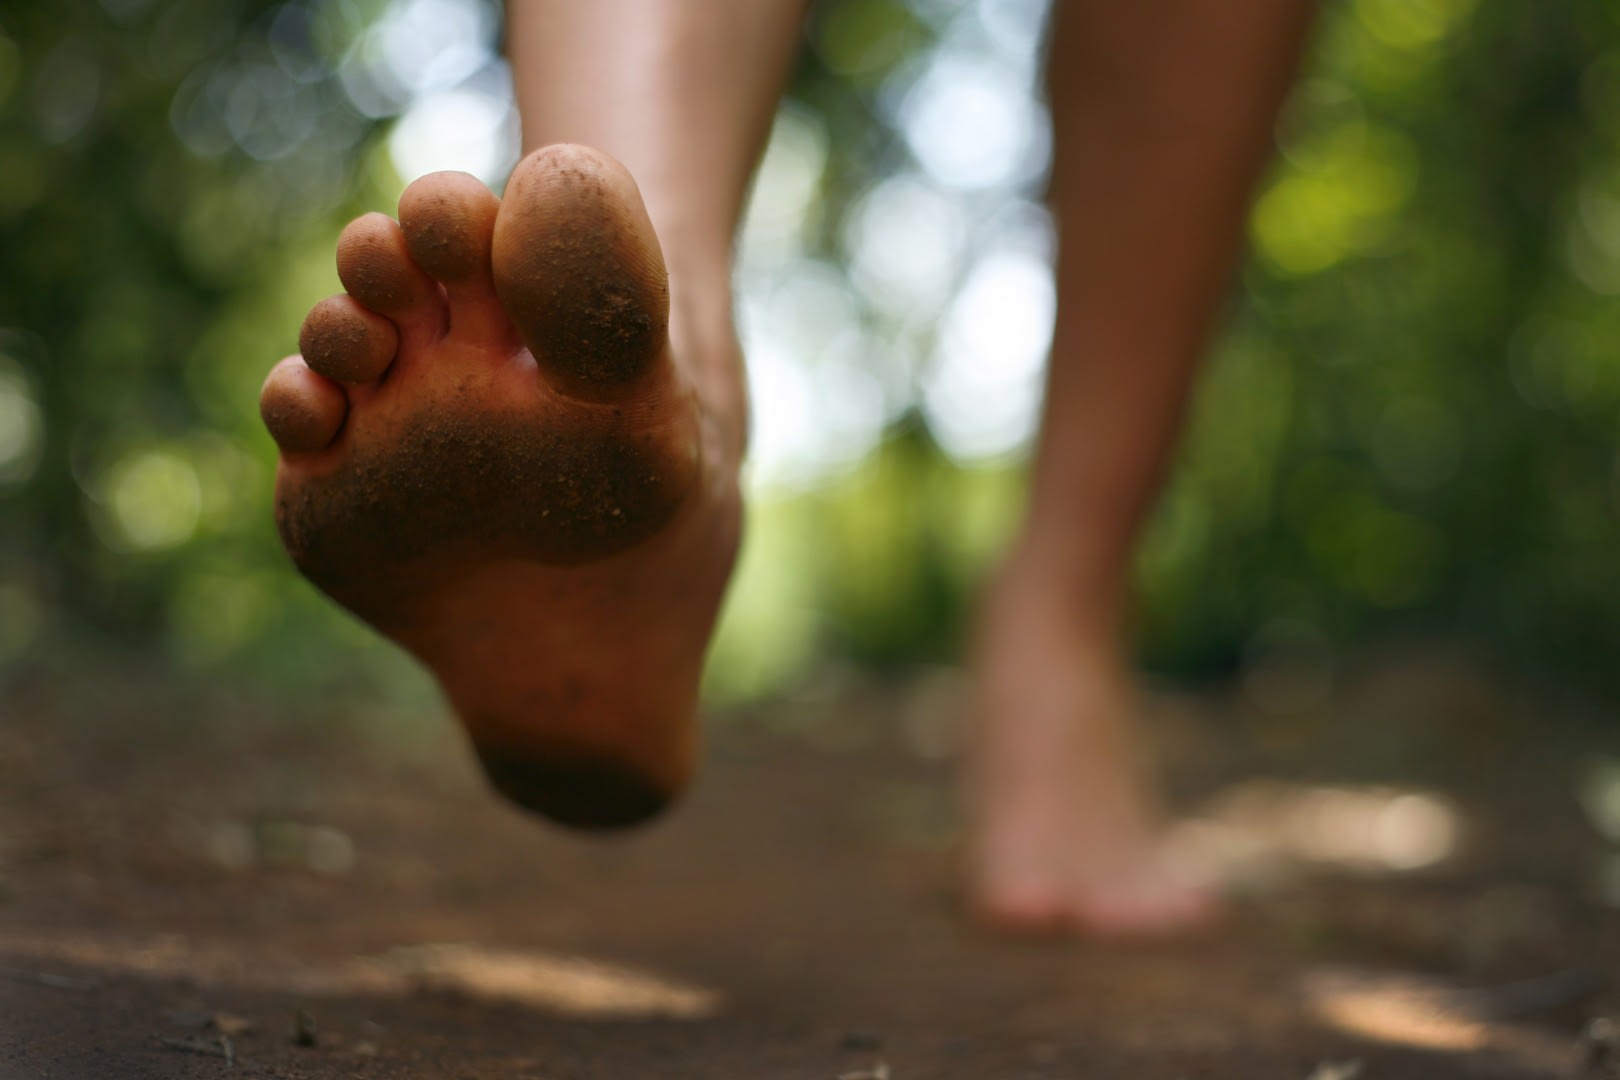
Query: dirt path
[[207, 899]]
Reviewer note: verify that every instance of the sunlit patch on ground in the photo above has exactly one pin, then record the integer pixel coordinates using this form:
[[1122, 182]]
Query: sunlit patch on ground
[[1259, 828], [1431, 1014], [572, 986], [1390, 1009], [567, 985], [1599, 794]]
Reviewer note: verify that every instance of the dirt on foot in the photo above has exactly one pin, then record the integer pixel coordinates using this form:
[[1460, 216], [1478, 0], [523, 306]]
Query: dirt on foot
[[547, 525], [245, 894]]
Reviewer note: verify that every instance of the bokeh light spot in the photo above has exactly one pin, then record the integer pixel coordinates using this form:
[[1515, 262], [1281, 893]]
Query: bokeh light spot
[[974, 125], [782, 205], [905, 240], [982, 398], [1412, 24], [22, 426], [152, 500], [466, 129]]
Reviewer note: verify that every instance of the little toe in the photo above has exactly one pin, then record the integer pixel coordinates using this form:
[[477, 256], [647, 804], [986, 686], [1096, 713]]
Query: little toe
[[304, 411], [345, 342], [579, 271], [449, 223], [375, 266]]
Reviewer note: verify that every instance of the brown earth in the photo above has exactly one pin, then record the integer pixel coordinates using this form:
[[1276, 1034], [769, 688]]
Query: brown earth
[[236, 893]]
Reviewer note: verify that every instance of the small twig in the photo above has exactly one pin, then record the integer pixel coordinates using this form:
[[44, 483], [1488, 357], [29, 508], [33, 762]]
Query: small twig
[[1600, 1046], [1336, 1070], [303, 1028], [880, 1071], [196, 1044], [45, 978]]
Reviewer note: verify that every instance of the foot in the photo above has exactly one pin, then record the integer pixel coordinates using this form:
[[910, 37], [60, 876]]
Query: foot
[[1067, 836], [494, 449]]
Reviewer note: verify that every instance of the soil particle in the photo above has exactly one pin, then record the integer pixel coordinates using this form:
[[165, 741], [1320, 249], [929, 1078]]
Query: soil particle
[[460, 484]]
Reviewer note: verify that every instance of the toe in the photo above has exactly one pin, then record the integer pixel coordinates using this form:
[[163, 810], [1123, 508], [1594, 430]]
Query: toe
[[1020, 911], [579, 271], [345, 342], [1147, 909], [449, 223], [303, 410], [376, 268]]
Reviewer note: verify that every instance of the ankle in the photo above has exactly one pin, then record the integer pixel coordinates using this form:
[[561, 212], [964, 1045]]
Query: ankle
[[1070, 596], [703, 336]]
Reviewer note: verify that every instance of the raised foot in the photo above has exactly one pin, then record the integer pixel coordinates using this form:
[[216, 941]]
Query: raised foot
[[491, 453]]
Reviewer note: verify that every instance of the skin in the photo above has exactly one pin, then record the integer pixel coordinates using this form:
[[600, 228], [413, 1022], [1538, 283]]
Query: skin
[[502, 501], [512, 444], [1162, 116]]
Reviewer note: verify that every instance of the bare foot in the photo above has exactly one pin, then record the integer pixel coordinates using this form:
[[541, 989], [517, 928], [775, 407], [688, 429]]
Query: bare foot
[[494, 450], [1066, 832]]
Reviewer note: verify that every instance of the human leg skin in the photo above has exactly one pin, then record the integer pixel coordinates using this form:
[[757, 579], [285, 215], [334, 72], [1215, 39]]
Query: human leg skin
[[1163, 114], [512, 445]]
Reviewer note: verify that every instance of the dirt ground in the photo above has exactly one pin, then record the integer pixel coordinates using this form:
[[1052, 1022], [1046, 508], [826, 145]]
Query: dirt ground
[[207, 888]]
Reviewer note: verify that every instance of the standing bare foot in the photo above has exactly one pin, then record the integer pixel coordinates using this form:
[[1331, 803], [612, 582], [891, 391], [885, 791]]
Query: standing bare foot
[[500, 448], [1066, 832]]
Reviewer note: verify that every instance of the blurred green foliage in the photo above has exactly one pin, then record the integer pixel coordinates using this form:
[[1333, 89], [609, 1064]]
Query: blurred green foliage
[[1411, 425], [1408, 426], [169, 175]]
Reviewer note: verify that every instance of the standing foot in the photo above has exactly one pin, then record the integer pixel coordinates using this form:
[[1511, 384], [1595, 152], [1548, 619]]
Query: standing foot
[[1066, 832]]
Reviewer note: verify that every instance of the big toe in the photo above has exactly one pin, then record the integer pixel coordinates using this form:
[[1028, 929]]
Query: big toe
[[580, 273]]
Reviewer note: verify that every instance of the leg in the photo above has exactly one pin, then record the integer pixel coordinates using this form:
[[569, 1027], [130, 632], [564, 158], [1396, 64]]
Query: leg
[[512, 445], [1163, 115]]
